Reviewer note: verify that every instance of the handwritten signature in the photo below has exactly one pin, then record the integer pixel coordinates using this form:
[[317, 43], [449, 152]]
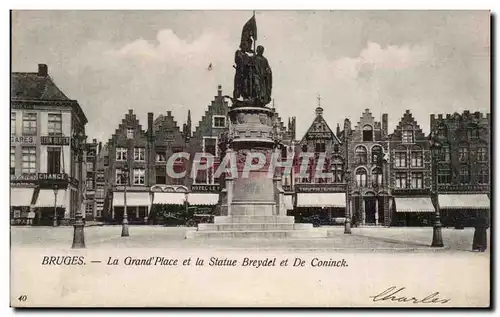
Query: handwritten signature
[[394, 294]]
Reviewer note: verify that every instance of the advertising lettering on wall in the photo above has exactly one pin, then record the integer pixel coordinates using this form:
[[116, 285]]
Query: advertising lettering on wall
[[22, 139], [54, 140], [205, 188]]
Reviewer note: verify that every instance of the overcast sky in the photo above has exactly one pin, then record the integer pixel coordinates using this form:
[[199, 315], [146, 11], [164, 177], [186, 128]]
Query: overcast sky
[[154, 61]]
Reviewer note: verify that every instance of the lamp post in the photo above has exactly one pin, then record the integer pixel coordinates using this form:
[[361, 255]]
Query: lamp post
[[56, 191], [437, 237], [78, 226], [125, 216], [347, 223]]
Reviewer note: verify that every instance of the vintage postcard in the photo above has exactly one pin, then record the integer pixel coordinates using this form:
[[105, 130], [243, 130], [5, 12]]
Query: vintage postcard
[[250, 159]]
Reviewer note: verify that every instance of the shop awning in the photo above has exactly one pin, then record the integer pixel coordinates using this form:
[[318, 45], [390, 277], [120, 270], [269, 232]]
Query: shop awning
[[414, 204], [199, 199], [288, 202], [46, 198], [21, 196], [169, 198], [321, 200], [464, 201], [133, 199]]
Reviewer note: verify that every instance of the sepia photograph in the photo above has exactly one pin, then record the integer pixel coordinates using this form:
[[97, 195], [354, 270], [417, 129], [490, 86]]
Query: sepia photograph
[[250, 158]]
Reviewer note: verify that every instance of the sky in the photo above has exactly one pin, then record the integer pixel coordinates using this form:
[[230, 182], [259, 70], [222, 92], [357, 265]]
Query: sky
[[156, 61]]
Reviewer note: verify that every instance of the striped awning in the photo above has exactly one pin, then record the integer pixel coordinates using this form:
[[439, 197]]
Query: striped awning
[[133, 199], [288, 202], [464, 201], [169, 198], [21, 196], [321, 200], [46, 198], [414, 204], [207, 199]]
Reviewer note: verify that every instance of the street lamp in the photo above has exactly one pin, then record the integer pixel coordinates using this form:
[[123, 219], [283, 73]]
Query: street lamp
[[56, 191], [125, 175], [78, 226], [347, 222], [437, 237]]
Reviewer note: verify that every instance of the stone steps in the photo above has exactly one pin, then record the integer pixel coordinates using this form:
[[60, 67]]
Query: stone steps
[[253, 226], [275, 234], [253, 219]]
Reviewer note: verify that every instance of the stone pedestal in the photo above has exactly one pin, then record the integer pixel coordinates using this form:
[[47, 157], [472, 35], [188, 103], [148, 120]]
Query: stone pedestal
[[253, 202]]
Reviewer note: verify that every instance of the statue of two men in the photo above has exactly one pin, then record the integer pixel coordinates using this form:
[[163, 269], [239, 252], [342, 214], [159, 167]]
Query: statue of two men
[[253, 79]]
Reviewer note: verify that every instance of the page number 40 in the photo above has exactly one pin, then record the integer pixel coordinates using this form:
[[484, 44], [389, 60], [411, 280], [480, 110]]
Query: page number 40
[[22, 298]]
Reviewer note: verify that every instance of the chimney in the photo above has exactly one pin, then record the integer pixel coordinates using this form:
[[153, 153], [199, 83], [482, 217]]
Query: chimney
[[94, 141], [169, 113], [219, 91], [293, 128], [385, 123], [43, 70], [338, 129], [99, 147], [150, 124], [130, 111]]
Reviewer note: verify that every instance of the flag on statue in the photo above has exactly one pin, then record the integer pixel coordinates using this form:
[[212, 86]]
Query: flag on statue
[[249, 30]]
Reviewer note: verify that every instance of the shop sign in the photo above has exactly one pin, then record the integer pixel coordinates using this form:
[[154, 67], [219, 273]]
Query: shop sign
[[52, 176], [54, 140], [319, 189], [205, 188], [22, 139]]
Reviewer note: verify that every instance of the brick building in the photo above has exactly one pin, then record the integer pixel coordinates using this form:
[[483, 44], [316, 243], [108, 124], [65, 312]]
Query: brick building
[[46, 151], [463, 169], [410, 174], [323, 196], [367, 145], [91, 156]]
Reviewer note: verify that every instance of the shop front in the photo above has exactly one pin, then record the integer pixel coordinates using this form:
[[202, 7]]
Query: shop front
[[415, 211], [138, 206], [320, 202], [21, 203], [462, 210], [169, 205]]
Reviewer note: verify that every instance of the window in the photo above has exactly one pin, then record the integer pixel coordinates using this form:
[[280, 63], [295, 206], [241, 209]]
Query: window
[[482, 154], [417, 158], [361, 177], [161, 157], [121, 154], [29, 160], [400, 180], [417, 180], [139, 154], [377, 176], [54, 160], [338, 171], [407, 135], [304, 147], [119, 177], [376, 154], [12, 160], [473, 133], [99, 177], [210, 146], [89, 184], [464, 174], [284, 152], [360, 155], [89, 166], [139, 176], [320, 146], [219, 122], [444, 174], [400, 159], [442, 130], [177, 149], [55, 124], [89, 209], [463, 154], [29, 123], [130, 133], [13, 123], [483, 176], [445, 154], [335, 148], [98, 209], [367, 133]]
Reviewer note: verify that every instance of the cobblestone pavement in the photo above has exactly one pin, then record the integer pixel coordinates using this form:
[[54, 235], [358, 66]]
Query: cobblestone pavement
[[361, 240]]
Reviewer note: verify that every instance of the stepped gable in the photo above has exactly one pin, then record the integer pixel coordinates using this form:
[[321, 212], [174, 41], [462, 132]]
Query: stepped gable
[[129, 121], [406, 120], [166, 130]]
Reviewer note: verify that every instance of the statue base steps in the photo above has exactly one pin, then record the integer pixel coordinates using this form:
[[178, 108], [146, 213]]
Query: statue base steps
[[269, 234]]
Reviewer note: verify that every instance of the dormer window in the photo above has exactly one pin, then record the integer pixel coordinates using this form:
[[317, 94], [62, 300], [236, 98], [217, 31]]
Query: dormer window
[[407, 136], [130, 133], [367, 133]]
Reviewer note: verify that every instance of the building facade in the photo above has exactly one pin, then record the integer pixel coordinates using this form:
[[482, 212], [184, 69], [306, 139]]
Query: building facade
[[410, 175], [463, 166], [368, 143], [46, 151]]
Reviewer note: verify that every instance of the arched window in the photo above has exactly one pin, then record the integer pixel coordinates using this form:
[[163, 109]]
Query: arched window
[[367, 133], [442, 130], [377, 176], [361, 155], [304, 147], [483, 176], [445, 153], [417, 156], [464, 174], [463, 152], [482, 154], [361, 176], [407, 135], [473, 132], [337, 168], [376, 154]]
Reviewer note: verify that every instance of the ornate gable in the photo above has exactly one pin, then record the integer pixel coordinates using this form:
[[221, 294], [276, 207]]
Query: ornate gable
[[167, 131], [319, 129], [129, 124], [406, 121]]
